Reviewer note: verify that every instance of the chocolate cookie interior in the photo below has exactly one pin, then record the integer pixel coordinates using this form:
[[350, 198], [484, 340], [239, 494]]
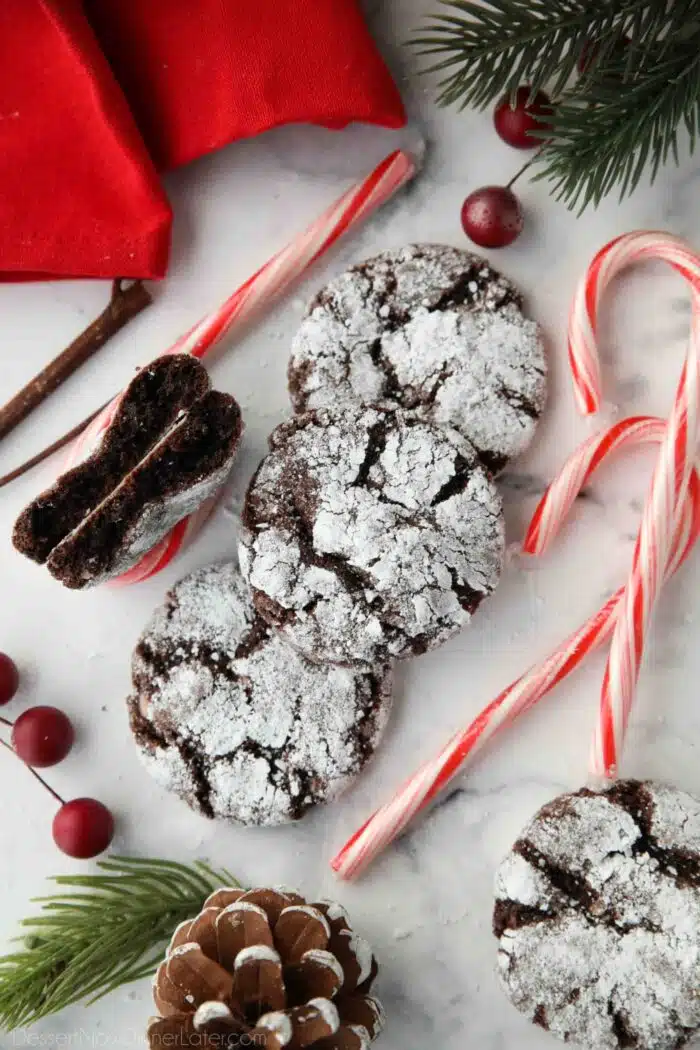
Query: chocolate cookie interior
[[151, 404], [194, 450]]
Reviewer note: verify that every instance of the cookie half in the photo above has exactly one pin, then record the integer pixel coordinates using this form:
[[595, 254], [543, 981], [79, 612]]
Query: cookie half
[[370, 534], [598, 917], [236, 722], [431, 329], [169, 448]]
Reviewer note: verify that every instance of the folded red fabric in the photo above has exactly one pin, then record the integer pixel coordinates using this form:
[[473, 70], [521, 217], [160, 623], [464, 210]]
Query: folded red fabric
[[200, 75], [79, 192], [79, 195]]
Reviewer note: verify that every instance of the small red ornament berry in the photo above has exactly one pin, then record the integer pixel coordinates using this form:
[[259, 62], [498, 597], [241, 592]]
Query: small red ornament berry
[[42, 736], [9, 678], [515, 124], [492, 217], [83, 828]]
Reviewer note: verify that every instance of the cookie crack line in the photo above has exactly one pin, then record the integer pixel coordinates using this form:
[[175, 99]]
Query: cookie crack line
[[162, 739], [520, 401], [169, 659], [376, 443], [354, 578], [679, 864], [456, 484], [391, 387], [512, 915], [573, 887]]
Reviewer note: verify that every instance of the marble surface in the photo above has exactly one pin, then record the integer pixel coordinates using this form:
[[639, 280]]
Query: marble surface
[[426, 905]]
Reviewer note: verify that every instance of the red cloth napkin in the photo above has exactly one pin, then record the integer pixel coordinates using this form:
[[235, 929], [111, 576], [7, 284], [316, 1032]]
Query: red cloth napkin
[[79, 194], [200, 75]]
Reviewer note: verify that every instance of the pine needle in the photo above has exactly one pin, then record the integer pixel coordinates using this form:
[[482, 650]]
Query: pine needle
[[111, 930], [619, 119]]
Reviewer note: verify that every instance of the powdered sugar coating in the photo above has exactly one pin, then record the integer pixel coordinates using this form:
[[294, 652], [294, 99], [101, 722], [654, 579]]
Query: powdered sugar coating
[[233, 720], [328, 1012], [432, 329], [279, 1023], [370, 534], [598, 916], [326, 959], [256, 953]]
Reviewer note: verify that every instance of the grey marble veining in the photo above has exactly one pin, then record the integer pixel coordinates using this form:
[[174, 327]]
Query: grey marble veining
[[426, 904]]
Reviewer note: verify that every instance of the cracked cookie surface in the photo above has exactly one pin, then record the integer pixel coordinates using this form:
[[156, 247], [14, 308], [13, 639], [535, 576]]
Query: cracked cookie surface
[[432, 329], [370, 534], [230, 718], [598, 917]]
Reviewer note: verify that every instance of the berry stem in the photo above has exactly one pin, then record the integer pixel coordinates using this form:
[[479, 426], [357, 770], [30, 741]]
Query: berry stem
[[34, 773], [521, 171], [6, 722]]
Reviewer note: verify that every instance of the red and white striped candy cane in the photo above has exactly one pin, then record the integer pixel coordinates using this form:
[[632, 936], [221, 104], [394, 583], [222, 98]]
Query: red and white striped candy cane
[[433, 776], [670, 478], [552, 510], [258, 292]]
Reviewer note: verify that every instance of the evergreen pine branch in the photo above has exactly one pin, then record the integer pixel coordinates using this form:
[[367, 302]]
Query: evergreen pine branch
[[490, 49], [623, 116], [613, 131], [110, 931]]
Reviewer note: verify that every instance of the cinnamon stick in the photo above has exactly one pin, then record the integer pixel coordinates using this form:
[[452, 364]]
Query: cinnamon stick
[[59, 443], [125, 303]]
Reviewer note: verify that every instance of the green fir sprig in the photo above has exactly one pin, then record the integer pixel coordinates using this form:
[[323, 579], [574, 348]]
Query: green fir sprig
[[622, 117], [105, 930]]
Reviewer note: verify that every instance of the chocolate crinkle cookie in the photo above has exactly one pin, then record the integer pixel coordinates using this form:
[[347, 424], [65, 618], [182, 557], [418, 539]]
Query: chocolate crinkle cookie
[[230, 718], [431, 329], [598, 917], [370, 534], [169, 447]]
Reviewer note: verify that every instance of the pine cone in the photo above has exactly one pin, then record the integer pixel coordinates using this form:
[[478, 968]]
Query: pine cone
[[263, 968]]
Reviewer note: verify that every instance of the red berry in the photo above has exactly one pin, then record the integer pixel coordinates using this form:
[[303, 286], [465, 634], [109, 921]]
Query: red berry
[[83, 828], [42, 736], [492, 217], [9, 678], [515, 124]]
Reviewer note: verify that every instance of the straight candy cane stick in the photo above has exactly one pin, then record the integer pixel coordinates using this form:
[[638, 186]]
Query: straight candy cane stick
[[248, 301], [276, 276], [418, 791], [669, 484]]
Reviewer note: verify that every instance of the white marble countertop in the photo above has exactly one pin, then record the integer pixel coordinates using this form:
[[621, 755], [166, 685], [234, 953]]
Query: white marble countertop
[[426, 905]]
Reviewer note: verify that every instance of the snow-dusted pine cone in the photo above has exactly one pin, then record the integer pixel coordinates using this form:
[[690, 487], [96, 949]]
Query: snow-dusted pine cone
[[264, 968]]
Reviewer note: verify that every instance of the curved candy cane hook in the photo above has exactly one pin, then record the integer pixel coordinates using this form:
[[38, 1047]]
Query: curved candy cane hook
[[670, 480]]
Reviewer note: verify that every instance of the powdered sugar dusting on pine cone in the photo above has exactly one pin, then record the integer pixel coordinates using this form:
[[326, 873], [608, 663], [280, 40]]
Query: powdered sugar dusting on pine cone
[[259, 976]]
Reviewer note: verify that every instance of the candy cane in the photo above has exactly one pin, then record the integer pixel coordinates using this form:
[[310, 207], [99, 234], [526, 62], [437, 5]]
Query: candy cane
[[669, 484], [432, 777], [256, 294], [553, 508]]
